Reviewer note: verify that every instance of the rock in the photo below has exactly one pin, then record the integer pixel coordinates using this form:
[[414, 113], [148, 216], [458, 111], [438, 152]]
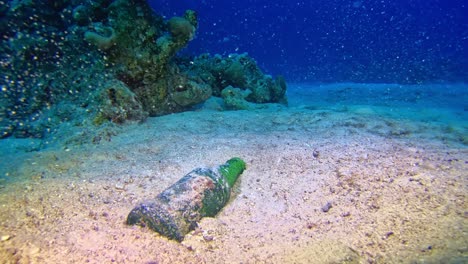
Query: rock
[[119, 186], [327, 207]]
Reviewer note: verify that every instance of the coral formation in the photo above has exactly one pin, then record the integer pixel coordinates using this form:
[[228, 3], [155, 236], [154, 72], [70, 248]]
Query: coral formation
[[241, 71], [181, 29], [93, 62], [188, 92], [234, 98], [104, 39], [118, 104]]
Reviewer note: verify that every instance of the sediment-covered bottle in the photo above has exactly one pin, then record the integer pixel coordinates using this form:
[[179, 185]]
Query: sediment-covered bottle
[[177, 210]]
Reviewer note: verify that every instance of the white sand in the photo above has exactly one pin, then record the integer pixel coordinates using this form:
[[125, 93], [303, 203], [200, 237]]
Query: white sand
[[397, 188]]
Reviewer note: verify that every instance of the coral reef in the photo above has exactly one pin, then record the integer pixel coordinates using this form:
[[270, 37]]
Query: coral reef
[[189, 91], [117, 104], [45, 65], [241, 71], [88, 63], [234, 98], [104, 39]]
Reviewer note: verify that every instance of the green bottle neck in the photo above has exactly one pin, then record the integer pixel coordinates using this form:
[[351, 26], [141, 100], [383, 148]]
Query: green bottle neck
[[232, 169]]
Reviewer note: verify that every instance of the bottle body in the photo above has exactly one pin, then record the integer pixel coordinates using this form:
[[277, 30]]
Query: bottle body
[[177, 210]]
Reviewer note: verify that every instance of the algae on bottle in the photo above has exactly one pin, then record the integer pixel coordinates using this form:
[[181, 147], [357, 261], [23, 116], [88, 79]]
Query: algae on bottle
[[177, 210]]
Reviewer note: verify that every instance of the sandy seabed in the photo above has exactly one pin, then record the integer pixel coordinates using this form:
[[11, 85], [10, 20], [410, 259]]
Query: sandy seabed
[[396, 191]]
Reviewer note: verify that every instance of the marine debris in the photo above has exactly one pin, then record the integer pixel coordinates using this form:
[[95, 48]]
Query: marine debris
[[201, 193]]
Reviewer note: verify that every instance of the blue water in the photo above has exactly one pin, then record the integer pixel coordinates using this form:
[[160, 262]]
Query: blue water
[[337, 41], [385, 77]]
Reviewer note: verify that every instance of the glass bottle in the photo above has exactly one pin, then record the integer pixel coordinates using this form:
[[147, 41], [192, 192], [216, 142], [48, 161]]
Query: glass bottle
[[177, 210]]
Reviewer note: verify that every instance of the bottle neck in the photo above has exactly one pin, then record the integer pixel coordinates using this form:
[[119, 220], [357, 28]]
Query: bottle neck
[[232, 169]]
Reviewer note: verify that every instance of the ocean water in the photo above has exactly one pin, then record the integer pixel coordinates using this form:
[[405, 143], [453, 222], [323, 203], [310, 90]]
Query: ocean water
[[376, 99], [338, 41]]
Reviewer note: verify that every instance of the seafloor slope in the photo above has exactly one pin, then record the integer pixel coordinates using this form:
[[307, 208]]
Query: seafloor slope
[[346, 174]]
